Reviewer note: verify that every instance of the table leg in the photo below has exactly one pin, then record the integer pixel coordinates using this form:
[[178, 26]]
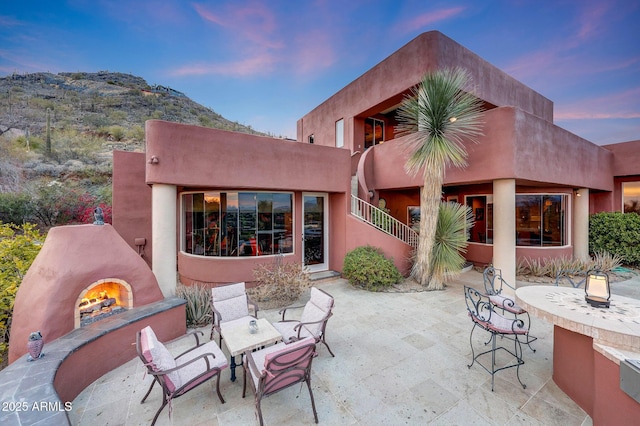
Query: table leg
[[232, 367]]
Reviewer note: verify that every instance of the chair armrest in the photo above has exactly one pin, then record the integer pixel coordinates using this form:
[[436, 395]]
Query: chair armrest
[[193, 333], [191, 361], [299, 326], [283, 311], [255, 306]]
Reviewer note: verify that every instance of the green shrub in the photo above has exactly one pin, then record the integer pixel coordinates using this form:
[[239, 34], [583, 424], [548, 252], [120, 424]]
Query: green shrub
[[198, 308], [617, 234], [14, 207], [367, 267], [19, 246]]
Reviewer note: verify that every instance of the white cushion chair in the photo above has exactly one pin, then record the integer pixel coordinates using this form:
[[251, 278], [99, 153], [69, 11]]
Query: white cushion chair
[[278, 367], [231, 306], [178, 375], [312, 322]]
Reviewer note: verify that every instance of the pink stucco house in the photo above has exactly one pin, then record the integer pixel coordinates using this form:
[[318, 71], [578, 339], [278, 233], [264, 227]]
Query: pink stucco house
[[212, 204]]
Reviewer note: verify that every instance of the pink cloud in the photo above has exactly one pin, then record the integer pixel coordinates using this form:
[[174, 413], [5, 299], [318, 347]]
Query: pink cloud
[[618, 105], [419, 22], [253, 22], [261, 64]]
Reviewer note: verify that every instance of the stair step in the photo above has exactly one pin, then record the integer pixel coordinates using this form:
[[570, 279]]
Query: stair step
[[323, 275]]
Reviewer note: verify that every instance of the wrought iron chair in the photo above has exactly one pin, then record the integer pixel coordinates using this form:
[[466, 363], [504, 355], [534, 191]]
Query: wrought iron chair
[[278, 367], [231, 306], [176, 376], [572, 276], [597, 289], [493, 286], [313, 321], [483, 315]]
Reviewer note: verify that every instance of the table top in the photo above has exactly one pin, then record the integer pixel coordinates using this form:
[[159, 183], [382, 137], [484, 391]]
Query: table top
[[617, 326], [238, 339]]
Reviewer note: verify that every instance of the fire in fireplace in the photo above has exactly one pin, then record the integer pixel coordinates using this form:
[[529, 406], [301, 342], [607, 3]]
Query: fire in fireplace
[[101, 300]]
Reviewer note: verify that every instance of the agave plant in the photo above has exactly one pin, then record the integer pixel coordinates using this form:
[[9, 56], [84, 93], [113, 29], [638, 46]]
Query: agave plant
[[452, 229]]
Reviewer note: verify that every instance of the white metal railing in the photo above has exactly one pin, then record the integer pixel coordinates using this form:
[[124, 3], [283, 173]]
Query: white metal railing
[[383, 221]]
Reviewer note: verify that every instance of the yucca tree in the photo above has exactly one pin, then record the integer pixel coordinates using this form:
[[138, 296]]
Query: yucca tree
[[452, 230], [438, 118]]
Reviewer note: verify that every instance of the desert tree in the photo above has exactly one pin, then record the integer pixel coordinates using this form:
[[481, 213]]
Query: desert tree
[[438, 118]]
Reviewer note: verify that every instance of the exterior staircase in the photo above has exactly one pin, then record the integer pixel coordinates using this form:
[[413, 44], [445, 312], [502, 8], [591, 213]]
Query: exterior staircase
[[383, 221]]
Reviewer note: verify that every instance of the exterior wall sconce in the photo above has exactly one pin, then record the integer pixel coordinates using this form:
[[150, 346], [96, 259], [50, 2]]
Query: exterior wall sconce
[[140, 243], [371, 194], [577, 192], [154, 160]]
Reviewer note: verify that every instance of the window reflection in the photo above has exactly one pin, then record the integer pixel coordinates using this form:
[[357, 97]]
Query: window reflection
[[237, 223]]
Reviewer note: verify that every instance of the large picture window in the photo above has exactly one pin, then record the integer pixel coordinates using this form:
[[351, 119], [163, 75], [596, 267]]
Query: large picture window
[[540, 219], [373, 132], [234, 224]]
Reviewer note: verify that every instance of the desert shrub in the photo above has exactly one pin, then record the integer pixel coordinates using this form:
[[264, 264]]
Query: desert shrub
[[279, 282], [136, 133], [19, 246], [605, 261], [117, 132], [198, 307], [616, 233], [14, 207], [367, 267]]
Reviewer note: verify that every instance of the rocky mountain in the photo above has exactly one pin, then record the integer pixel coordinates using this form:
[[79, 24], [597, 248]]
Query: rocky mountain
[[88, 102], [59, 126]]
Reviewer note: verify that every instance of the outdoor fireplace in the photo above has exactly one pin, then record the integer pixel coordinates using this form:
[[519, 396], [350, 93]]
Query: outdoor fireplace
[[102, 299]]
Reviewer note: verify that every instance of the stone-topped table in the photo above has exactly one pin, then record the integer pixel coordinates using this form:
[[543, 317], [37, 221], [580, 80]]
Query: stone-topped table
[[588, 345]]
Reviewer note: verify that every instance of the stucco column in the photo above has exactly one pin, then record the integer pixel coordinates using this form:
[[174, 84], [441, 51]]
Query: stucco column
[[504, 230], [581, 224], [163, 231]]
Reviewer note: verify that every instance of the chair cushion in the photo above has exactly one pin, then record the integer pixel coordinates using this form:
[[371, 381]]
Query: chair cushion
[[317, 308], [263, 356], [228, 291], [286, 329], [159, 357], [502, 325], [193, 370], [506, 303], [233, 308]]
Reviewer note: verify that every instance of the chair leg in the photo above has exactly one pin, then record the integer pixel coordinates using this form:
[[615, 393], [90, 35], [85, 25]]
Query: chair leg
[[313, 403], [473, 358], [149, 391], [328, 348], [259, 411], [164, 404], [218, 387]]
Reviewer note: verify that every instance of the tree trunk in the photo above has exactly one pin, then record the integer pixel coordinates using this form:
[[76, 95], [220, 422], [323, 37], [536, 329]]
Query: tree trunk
[[430, 196]]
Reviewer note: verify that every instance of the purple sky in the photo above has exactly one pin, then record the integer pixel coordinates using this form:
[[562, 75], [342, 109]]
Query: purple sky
[[267, 63]]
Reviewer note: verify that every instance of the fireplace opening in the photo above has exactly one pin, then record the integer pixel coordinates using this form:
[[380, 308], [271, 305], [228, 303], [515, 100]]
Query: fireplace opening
[[101, 300]]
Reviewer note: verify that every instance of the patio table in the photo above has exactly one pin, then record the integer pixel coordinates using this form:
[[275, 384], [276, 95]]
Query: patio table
[[238, 339], [588, 345]]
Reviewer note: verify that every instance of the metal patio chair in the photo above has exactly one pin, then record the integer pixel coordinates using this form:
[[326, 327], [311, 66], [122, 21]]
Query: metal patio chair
[[493, 286], [278, 367], [312, 322], [483, 315], [177, 376], [231, 306]]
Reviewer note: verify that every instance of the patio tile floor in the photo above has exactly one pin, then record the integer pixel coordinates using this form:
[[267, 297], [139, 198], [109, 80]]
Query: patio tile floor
[[401, 358]]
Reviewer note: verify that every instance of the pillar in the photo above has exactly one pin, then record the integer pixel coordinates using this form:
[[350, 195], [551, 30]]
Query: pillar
[[504, 230], [581, 224], [163, 234]]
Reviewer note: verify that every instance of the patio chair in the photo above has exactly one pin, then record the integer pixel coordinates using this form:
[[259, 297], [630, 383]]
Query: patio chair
[[278, 367], [231, 306], [312, 322], [483, 315], [176, 376], [597, 289], [493, 286]]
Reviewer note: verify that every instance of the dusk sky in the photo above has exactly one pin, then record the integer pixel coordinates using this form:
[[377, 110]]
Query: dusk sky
[[268, 63]]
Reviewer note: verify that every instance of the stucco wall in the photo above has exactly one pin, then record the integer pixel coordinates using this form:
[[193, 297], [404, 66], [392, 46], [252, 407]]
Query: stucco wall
[[132, 200], [385, 84]]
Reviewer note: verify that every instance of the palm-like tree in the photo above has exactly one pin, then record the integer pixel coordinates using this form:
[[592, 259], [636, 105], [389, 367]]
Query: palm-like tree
[[438, 118]]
